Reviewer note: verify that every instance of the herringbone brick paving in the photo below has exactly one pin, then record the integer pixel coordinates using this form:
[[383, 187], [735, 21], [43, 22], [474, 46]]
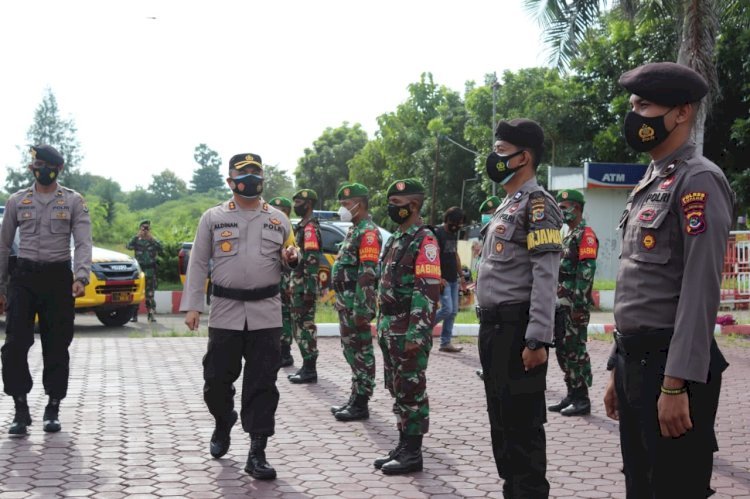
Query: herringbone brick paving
[[134, 425]]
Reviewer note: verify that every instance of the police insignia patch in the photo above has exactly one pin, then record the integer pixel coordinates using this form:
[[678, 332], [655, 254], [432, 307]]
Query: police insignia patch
[[694, 207], [500, 229], [226, 246], [649, 241], [26, 201], [277, 202], [276, 221], [667, 183], [499, 247], [60, 201], [226, 233], [232, 206], [26, 214], [513, 208], [646, 133], [304, 194], [400, 186], [537, 214], [347, 191], [431, 251], [647, 215], [564, 195]]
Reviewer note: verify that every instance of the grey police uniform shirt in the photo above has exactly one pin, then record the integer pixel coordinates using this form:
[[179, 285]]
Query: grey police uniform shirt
[[675, 229], [45, 222], [521, 257], [245, 249]]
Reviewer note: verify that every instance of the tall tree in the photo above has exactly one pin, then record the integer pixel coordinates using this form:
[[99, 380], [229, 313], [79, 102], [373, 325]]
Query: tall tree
[[207, 176], [48, 127], [167, 186], [566, 22], [276, 182], [325, 166]]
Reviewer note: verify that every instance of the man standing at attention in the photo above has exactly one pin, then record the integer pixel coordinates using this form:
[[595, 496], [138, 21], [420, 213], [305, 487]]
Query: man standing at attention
[[146, 248], [666, 366], [516, 306]]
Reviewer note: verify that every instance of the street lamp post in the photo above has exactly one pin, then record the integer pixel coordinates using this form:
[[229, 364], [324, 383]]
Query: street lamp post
[[463, 188]]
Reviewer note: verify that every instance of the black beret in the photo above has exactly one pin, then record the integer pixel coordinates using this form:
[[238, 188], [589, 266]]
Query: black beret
[[665, 83], [47, 153], [240, 161], [521, 132]]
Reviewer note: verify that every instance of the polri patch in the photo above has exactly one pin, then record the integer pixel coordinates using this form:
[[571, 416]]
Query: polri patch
[[694, 208], [647, 215], [649, 241]]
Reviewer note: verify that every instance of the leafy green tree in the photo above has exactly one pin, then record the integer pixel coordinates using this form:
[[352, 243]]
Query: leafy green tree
[[141, 199], [207, 176], [276, 182], [167, 186], [325, 166], [48, 127]]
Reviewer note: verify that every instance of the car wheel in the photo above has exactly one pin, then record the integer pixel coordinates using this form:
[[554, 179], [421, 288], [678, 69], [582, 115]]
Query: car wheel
[[117, 317]]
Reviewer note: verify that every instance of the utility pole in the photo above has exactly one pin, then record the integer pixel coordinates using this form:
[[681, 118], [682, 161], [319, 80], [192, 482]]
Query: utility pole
[[434, 178], [495, 86]]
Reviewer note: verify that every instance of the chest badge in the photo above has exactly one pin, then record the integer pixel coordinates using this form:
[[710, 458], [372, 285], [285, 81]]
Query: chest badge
[[499, 247], [275, 221], [513, 208], [647, 215], [26, 201], [667, 183], [226, 246], [226, 233], [649, 241], [500, 229]]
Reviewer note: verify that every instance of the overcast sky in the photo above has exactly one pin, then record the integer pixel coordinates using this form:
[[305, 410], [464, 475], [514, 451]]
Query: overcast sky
[[147, 81]]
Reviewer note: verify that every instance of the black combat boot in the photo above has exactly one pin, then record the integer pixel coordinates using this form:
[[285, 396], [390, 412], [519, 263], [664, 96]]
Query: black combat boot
[[378, 463], [22, 419], [408, 460], [337, 408], [286, 356], [355, 411], [256, 465], [151, 317], [308, 373], [565, 402], [51, 416], [220, 439], [580, 404]]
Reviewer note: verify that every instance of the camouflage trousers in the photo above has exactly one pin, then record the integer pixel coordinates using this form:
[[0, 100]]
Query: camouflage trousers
[[405, 373], [287, 329], [571, 352], [150, 289], [356, 341], [305, 330]]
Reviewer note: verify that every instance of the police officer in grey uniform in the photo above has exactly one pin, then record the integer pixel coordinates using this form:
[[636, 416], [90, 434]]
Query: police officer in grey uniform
[[248, 241], [516, 293], [666, 365], [45, 215]]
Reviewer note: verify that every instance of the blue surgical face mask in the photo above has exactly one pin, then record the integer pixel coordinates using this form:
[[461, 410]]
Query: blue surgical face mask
[[486, 217]]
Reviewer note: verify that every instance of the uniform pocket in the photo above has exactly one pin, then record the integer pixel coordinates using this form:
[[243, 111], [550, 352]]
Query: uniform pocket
[[502, 248], [26, 221], [226, 242], [270, 244], [651, 228], [60, 222]]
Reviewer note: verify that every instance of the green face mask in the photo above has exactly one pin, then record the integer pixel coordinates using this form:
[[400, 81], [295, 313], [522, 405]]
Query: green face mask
[[569, 215]]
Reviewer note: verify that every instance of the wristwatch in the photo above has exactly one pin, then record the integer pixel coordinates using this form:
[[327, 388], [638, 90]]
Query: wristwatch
[[535, 344], [83, 280]]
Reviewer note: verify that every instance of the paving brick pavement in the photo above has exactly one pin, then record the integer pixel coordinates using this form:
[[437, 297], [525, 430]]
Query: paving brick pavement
[[134, 425]]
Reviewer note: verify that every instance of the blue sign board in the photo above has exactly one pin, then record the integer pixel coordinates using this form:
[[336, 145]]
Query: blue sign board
[[614, 175]]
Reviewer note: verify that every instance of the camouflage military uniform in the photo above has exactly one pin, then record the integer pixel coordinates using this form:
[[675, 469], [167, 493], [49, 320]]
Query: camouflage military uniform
[[354, 280], [305, 288], [287, 329], [408, 297], [145, 252], [577, 269]]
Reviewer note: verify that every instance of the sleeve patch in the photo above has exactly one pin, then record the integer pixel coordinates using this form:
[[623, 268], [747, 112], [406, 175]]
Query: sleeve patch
[[311, 239], [694, 208], [589, 246], [369, 247], [544, 239], [427, 264]]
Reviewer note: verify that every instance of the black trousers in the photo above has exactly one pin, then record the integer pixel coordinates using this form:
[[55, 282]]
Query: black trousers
[[46, 293], [222, 365], [516, 407], [659, 467]]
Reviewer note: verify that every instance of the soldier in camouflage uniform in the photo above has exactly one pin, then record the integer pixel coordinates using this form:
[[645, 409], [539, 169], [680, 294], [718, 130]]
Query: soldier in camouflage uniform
[[146, 248], [305, 285], [354, 278], [575, 283], [285, 205], [408, 297]]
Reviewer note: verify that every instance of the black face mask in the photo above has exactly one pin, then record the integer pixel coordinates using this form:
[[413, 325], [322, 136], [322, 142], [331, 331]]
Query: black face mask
[[300, 210], [498, 168], [642, 133], [453, 227], [399, 214], [46, 175], [248, 186]]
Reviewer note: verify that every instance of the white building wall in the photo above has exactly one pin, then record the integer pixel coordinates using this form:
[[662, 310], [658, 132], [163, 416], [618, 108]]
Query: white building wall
[[602, 212]]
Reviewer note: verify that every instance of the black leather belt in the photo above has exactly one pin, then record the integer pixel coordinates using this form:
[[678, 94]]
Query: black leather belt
[[34, 266], [636, 345], [513, 312], [245, 294]]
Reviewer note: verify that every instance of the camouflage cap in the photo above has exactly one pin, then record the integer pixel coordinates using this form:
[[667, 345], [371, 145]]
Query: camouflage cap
[[240, 161], [306, 194], [491, 203], [665, 83], [405, 187], [353, 190], [570, 195], [46, 153], [280, 202]]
